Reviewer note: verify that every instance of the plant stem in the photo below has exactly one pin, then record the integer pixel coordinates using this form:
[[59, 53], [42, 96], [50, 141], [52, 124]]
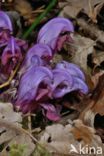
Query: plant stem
[[39, 18]]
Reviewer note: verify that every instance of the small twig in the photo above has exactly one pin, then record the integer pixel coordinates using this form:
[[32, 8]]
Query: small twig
[[90, 9], [10, 78], [26, 115], [29, 123]]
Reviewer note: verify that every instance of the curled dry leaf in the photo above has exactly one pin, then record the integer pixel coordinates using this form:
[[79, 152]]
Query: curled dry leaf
[[59, 139], [10, 129], [93, 113], [72, 8], [95, 77], [98, 57], [95, 104]]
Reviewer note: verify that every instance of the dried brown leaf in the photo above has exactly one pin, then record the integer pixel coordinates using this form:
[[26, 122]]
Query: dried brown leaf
[[58, 138], [10, 129], [95, 104], [73, 8], [84, 48]]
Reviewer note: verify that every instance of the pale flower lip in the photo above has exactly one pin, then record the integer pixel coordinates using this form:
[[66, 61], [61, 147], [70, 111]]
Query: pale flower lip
[[49, 34], [52, 112], [5, 21]]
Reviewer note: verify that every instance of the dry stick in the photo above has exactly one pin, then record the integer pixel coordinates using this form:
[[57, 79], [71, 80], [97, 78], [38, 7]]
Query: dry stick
[[29, 123], [90, 9], [10, 78]]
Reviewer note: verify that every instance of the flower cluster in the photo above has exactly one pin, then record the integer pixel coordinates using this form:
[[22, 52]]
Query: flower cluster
[[40, 82], [12, 48]]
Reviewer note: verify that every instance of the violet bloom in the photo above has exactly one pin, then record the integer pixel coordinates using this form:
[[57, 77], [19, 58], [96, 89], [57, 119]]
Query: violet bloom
[[64, 82], [39, 54], [5, 28], [34, 85], [79, 85], [22, 44], [11, 55], [5, 22], [50, 33]]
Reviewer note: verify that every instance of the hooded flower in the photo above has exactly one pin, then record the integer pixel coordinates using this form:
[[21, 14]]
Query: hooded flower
[[11, 55], [5, 22], [39, 54], [34, 85], [67, 80], [5, 28], [80, 85], [62, 83], [54, 33]]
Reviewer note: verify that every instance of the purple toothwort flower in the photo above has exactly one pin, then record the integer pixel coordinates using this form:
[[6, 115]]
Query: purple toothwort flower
[[11, 55], [5, 28], [68, 80], [34, 85], [62, 83], [5, 22], [50, 33], [80, 85], [39, 54]]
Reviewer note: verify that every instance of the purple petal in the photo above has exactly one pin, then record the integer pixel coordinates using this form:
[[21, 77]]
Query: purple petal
[[5, 21], [50, 32], [73, 69], [12, 51], [52, 112], [30, 84], [80, 85], [62, 83], [22, 44], [4, 37], [35, 61], [38, 51]]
